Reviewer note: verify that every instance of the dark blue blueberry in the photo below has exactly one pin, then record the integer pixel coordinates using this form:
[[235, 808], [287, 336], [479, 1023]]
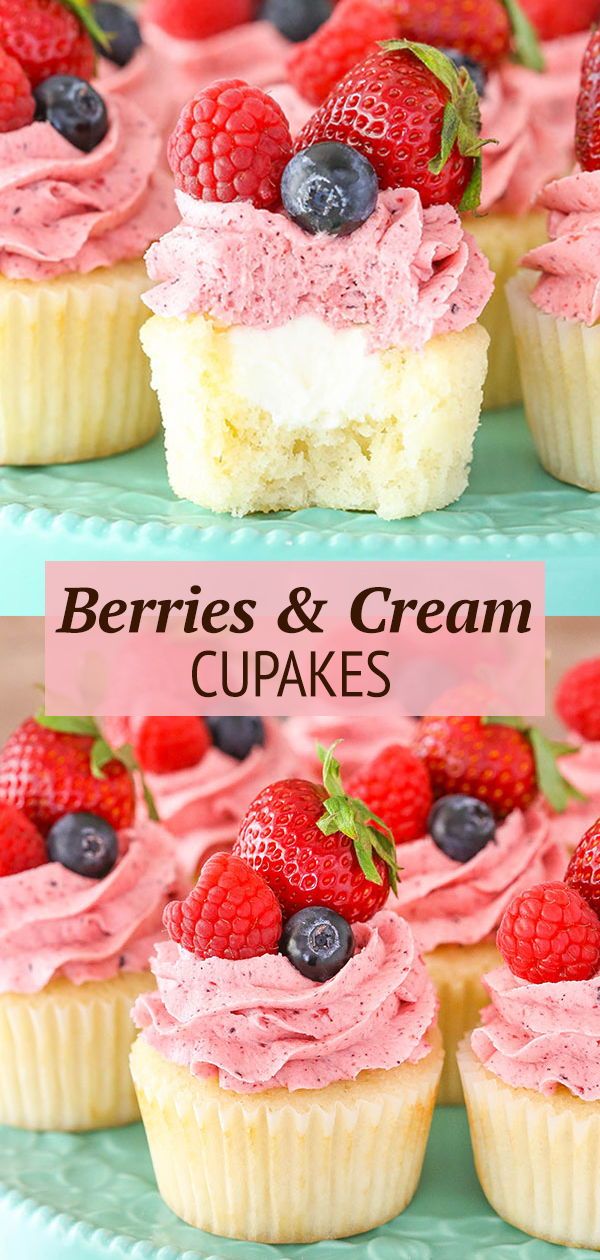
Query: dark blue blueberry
[[461, 826], [121, 28], [74, 108], [296, 19], [329, 187], [84, 843], [236, 736], [318, 942], [477, 72]]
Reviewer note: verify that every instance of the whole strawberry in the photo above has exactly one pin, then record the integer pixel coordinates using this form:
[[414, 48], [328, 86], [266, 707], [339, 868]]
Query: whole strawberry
[[48, 37], [17, 105], [481, 31], [352, 31], [577, 699], [583, 871], [551, 19], [415, 117], [587, 125], [21, 844], [197, 19], [549, 934], [231, 913], [397, 787], [315, 846]]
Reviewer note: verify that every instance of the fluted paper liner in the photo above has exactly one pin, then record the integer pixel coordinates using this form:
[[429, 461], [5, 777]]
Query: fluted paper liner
[[64, 1054], [560, 366], [457, 972], [281, 1166], [74, 381], [537, 1157]]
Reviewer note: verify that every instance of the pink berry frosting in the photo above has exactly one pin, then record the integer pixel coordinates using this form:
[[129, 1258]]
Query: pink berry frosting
[[360, 740], [569, 265]]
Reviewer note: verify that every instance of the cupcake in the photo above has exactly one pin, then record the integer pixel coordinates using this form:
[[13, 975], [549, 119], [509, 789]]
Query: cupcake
[[555, 311], [82, 892], [531, 1072], [360, 739], [80, 201]]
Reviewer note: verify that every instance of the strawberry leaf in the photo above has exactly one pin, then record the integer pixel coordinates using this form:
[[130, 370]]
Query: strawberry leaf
[[84, 14], [68, 725], [526, 43], [355, 820]]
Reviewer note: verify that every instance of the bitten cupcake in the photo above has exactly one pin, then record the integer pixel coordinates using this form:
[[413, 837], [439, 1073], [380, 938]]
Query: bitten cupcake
[[255, 1067], [531, 1072], [82, 892], [80, 201], [247, 294]]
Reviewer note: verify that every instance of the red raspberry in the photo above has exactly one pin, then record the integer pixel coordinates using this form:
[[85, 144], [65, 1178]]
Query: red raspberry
[[17, 105], [165, 744], [352, 31], [577, 699], [21, 845], [195, 19], [46, 37], [231, 913], [231, 143], [549, 933], [583, 871], [397, 787]]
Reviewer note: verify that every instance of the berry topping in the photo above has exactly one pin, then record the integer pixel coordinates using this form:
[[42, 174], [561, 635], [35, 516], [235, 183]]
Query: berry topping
[[296, 19], [236, 736], [551, 19], [73, 108], [48, 37], [84, 843], [231, 913], [477, 73], [329, 188], [482, 30], [461, 826], [196, 19], [549, 934], [231, 143], [122, 32], [21, 844], [318, 942], [353, 31], [316, 846], [587, 128], [414, 116], [583, 871], [396, 786], [165, 744], [577, 699], [17, 105], [501, 761]]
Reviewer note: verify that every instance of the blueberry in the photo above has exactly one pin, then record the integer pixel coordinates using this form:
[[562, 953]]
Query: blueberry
[[461, 826], [236, 736], [122, 29], [296, 19], [74, 108], [329, 187], [84, 843], [477, 72], [318, 942]]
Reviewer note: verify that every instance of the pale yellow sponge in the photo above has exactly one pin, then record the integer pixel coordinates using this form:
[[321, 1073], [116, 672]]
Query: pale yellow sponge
[[303, 416], [457, 972], [74, 382], [504, 239], [281, 1166]]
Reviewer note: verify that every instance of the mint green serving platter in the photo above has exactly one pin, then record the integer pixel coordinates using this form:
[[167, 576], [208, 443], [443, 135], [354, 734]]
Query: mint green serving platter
[[122, 508], [93, 1197]]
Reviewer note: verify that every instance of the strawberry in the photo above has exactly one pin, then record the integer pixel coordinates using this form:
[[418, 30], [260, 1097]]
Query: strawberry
[[414, 116], [500, 761], [397, 787], [487, 31], [352, 31], [583, 871], [231, 913], [55, 766], [577, 699], [165, 744], [315, 846], [196, 19], [17, 105], [587, 127], [552, 19], [50, 37], [21, 844]]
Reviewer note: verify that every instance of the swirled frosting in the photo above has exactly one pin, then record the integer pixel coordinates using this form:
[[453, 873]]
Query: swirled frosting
[[461, 903], [54, 922], [569, 285], [582, 771], [361, 739], [254, 51], [62, 210], [260, 1024], [542, 1036], [147, 81], [406, 275]]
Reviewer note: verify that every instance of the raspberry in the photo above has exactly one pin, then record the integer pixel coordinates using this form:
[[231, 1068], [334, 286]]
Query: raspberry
[[231, 913], [17, 105], [196, 19], [46, 37], [583, 871], [350, 34], [21, 845], [397, 787], [231, 143], [548, 934], [165, 744], [577, 699]]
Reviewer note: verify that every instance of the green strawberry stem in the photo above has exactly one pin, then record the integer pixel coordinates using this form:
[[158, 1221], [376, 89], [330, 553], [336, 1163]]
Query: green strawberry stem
[[101, 751], [552, 784], [526, 43], [354, 819], [82, 11]]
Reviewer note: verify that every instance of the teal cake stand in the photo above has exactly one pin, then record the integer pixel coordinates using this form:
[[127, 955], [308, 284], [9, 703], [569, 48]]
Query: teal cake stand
[[122, 509], [93, 1197]]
